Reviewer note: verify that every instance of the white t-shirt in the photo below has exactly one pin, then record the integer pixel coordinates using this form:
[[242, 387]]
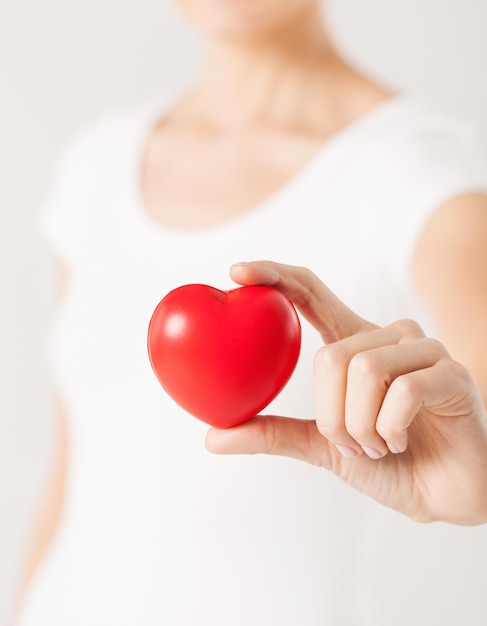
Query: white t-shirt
[[156, 530]]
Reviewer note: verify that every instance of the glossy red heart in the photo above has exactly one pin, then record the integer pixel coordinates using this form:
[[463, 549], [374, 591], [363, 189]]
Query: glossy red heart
[[224, 355]]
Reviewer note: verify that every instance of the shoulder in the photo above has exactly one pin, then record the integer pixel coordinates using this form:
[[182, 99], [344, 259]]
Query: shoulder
[[425, 159], [82, 165], [89, 175], [430, 179], [104, 140], [431, 148]]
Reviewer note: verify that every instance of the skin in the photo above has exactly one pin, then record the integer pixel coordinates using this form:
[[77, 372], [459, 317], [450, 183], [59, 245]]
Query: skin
[[262, 108], [396, 416], [272, 90], [449, 271]]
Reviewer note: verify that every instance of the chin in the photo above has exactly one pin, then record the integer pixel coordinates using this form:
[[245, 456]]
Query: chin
[[244, 19]]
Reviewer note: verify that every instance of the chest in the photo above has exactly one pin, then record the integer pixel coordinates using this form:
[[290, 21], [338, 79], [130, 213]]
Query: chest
[[198, 181]]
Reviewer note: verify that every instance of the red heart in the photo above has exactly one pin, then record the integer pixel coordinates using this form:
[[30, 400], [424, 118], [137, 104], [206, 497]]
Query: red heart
[[224, 355]]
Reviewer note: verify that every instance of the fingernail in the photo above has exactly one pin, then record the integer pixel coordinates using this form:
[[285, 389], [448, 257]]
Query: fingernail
[[372, 452], [392, 448], [347, 452]]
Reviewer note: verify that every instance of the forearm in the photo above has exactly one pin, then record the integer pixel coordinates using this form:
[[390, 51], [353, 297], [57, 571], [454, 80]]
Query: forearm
[[47, 521], [449, 271]]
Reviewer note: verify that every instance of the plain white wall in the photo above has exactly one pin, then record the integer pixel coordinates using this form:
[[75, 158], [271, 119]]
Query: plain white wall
[[61, 64]]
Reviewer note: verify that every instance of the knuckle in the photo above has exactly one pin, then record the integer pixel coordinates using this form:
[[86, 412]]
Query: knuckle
[[360, 435], [307, 274], [358, 429], [436, 347], [364, 365], [269, 433], [387, 430], [331, 431], [405, 387], [464, 383], [409, 328], [307, 280], [330, 356], [459, 370]]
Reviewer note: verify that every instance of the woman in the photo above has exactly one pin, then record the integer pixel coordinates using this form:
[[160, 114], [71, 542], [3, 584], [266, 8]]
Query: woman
[[281, 151]]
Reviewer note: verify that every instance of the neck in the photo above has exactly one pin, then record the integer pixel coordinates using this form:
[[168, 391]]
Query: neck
[[246, 80]]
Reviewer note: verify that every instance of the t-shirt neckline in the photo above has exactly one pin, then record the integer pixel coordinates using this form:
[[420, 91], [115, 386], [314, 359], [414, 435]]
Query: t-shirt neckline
[[156, 111]]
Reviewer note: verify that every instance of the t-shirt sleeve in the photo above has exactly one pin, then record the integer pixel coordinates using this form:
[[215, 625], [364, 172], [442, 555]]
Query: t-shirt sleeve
[[81, 175], [434, 162], [59, 215]]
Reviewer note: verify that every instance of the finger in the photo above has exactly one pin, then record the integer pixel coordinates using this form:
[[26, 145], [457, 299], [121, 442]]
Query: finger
[[370, 375], [327, 313], [330, 387], [331, 372], [441, 388], [298, 439], [282, 436]]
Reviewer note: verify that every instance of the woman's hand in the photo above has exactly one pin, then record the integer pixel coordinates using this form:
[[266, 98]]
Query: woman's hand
[[396, 417]]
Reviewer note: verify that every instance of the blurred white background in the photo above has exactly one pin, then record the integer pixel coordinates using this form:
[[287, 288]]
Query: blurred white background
[[63, 63]]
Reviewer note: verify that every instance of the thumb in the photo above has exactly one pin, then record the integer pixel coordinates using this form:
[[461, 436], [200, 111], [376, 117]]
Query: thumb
[[318, 304], [283, 436]]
